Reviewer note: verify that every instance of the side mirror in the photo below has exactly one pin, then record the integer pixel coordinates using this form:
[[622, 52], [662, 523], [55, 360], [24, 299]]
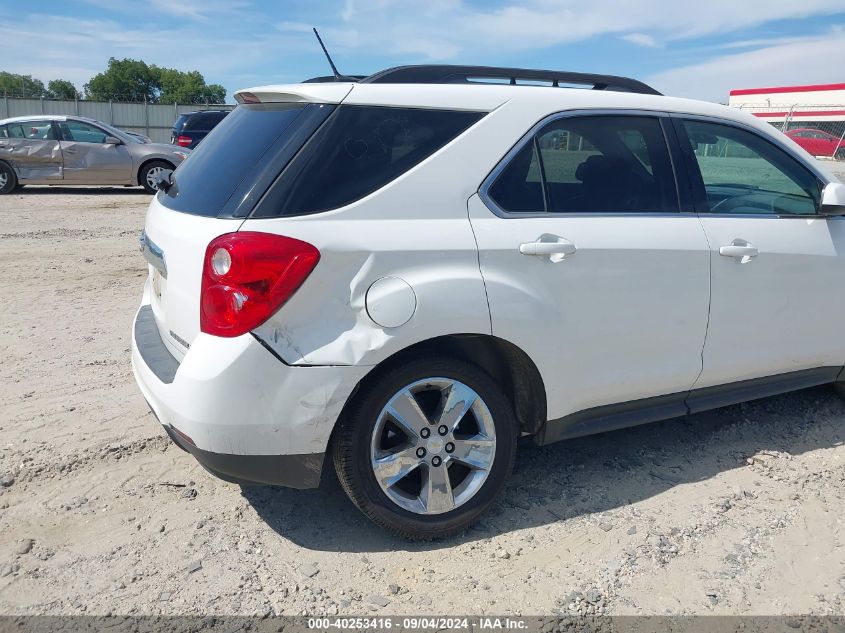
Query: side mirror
[[833, 199], [113, 140]]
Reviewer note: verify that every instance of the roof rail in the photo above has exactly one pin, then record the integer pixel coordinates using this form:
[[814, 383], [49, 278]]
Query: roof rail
[[331, 78], [447, 74]]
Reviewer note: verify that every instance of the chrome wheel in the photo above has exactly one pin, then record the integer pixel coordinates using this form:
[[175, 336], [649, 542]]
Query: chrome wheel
[[154, 174], [4, 178], [433, 446]]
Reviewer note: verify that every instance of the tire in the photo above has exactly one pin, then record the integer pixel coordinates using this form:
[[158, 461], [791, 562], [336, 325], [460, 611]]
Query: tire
[[8, 178], [368, 438], [840, 154], [149, 173]]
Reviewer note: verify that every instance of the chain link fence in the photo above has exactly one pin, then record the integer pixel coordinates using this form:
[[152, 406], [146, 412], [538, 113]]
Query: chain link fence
[[154, 120], [819, 129]]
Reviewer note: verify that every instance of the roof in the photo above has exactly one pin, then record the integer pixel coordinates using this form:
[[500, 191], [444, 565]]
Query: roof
[[482, 97], [46, 117], [786, 89]]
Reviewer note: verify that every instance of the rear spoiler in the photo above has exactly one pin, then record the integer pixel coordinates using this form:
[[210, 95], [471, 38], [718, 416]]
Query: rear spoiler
[[295, 93]]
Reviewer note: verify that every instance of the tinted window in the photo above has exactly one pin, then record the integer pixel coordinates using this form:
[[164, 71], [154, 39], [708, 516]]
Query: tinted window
[[519, 188], [612, 164], [4, 131], [230, 154], [358, 150], [744, 173], [35, 130], [204, 120], [180, 121]]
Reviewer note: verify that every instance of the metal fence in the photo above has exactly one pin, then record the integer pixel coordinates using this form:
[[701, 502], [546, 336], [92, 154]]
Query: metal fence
[[151, 119], [820, 129]]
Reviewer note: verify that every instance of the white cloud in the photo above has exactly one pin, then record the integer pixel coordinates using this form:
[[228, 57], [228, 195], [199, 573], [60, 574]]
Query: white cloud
[[447, 29], [641, 39], [76, 49], [199, 10], [224, 39], [295, 27], [801, 61]]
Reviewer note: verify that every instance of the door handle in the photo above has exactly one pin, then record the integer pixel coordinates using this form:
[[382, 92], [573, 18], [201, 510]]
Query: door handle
[[69, 151], [739, 250], [547, 248], [551, 246]]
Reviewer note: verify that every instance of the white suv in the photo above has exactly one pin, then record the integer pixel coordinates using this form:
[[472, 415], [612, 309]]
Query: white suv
[[411, 271]]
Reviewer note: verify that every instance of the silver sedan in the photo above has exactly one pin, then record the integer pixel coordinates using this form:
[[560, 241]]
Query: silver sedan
[[70, 150]]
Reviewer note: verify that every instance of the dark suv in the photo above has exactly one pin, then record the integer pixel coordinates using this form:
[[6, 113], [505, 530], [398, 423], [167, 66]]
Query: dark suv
[[191, 127]]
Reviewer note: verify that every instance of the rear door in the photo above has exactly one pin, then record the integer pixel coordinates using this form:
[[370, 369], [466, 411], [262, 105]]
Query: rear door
[[89, 159], [589, 264], [777, 266], [33, 150]]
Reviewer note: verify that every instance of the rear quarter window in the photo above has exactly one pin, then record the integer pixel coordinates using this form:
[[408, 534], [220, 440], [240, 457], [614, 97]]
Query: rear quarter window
[[358, 150]]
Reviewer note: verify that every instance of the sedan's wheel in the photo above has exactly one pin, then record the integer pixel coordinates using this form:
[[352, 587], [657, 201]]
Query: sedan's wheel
[[8, 180], [151, 173], [427, 447]]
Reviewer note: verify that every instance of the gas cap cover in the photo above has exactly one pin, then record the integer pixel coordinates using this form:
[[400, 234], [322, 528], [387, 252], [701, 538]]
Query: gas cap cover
[[391, 302]]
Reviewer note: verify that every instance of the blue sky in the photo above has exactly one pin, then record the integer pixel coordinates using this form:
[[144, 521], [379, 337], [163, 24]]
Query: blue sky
[[700, 48]]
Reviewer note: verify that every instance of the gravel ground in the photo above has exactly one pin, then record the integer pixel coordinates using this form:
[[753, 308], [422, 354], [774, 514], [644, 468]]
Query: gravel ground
[[737, 511]]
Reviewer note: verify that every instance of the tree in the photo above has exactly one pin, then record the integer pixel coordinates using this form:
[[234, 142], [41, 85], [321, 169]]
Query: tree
[[61, 89], [187, 87], [126, 80], [134, 80], [13, 85]]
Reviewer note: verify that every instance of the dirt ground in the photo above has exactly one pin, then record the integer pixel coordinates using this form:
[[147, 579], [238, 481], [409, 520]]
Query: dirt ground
[[737, 511]]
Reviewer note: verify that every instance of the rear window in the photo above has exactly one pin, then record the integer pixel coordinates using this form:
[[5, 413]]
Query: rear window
[[358, 150], [224, 171], [204, 120], [180, 121]]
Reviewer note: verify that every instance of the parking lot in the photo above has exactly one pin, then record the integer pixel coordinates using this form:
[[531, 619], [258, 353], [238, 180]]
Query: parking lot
[[735, 511]]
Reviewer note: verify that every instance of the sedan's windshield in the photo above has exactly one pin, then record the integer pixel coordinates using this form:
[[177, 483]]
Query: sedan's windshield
[[123, 136]]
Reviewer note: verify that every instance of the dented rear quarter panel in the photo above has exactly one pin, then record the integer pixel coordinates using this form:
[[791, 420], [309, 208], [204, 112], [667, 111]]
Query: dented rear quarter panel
[[416, 228]]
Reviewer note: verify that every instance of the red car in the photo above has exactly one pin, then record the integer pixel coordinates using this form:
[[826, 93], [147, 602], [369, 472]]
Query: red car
[[818, 143]]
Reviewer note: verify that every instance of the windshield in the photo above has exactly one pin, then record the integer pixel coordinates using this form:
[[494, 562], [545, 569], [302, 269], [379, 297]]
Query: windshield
[[123, 136]]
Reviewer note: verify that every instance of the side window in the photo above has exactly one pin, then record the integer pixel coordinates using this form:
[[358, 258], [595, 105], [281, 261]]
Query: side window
[[591, 164], [518, 188], [33, 130], [82, 132], [4, 131], [744, 173], [358, 150]]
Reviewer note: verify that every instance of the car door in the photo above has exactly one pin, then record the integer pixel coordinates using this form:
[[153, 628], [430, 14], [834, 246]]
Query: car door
[[827, 143], [590, 266], [88, 159], [810, 142], [776, 265], [32, 150]]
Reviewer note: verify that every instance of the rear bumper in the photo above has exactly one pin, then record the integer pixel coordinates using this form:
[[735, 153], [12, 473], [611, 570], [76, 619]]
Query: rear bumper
[[249, 417], [291, 471]]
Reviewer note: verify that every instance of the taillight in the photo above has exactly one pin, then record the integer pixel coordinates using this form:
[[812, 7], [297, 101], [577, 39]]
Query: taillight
[[183, 141], [247, 277]]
